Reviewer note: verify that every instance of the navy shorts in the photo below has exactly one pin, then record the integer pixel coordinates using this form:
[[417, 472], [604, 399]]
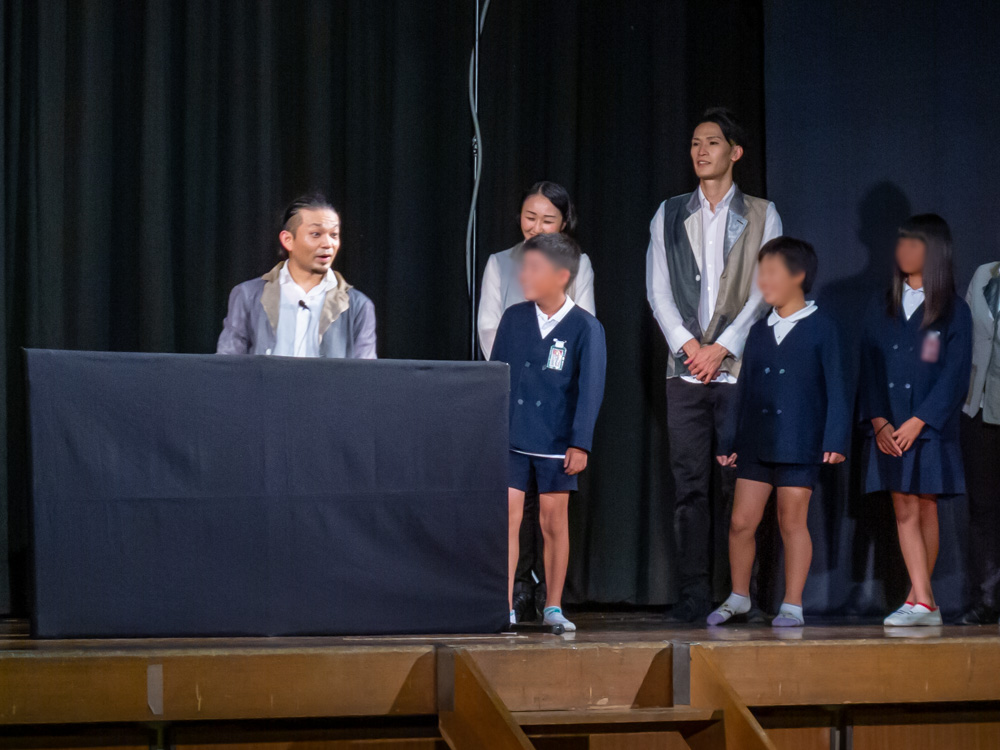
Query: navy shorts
[[550, 476], [778, 475]]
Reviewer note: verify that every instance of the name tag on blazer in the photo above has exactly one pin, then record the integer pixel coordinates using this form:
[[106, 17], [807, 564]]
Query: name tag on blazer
[[557, 355], [931, 350]]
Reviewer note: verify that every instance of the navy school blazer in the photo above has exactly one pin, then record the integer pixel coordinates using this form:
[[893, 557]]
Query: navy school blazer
[[793, 399], [897, 381], [552, 410]]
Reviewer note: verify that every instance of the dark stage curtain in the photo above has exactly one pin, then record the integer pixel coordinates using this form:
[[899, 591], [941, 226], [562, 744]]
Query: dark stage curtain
[[149, 146], [876, 112]]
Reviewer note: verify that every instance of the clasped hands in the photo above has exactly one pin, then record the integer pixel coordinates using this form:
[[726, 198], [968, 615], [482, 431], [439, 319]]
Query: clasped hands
[[704, 361], [895, 442]]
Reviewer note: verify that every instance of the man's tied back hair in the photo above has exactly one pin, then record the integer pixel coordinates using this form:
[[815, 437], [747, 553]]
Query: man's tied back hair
[[291, 220]]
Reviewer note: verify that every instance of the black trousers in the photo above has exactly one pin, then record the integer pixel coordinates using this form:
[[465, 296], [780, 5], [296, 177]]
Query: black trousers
[[531, 558], [703, 503], [981, 453]]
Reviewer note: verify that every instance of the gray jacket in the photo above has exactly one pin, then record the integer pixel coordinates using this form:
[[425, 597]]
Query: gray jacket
[[984, 388], [346, 325]]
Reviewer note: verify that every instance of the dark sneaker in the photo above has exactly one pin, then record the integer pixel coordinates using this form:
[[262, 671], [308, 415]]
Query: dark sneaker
[[524, 606], [980, 614], [689, 610]]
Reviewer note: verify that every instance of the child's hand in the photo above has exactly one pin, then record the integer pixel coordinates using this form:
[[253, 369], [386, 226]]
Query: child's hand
[[575, 461], [884, 439], [726, 460], [833, 458], [907, 433]]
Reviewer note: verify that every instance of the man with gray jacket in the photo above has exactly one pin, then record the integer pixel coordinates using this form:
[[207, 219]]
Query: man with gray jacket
[[302, 307], [981, 447]]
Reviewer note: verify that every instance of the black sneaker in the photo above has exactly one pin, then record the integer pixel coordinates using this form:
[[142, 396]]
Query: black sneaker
[[689, 610], [524, 604], [980, 614]]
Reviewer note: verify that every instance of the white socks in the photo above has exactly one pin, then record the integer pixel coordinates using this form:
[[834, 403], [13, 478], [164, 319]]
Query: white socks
[[735, 604], [789, 616]]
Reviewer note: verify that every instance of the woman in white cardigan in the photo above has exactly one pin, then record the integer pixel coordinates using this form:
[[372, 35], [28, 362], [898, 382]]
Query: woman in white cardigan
[[545, 208]]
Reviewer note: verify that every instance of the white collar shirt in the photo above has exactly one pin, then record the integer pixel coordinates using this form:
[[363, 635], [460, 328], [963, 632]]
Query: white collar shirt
[[912, 299], [308, 306], [547, 324], [783, 326]]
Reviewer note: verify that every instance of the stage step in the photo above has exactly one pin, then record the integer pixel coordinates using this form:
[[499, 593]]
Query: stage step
[[616, 716], [667, 728]]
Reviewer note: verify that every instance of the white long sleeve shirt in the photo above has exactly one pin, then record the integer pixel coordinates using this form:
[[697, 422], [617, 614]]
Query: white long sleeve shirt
[[661, 296]]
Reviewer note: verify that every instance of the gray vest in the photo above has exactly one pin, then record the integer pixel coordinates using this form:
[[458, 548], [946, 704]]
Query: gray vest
[[991, 387], [744, 232]]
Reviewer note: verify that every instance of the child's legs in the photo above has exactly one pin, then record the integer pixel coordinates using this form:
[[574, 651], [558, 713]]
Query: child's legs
[[912, 545], [748, 508], [553, 513], [515, 510], [793, 513], [930, 533]]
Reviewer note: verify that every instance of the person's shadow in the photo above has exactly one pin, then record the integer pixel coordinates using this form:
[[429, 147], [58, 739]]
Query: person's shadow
[[877, 574]]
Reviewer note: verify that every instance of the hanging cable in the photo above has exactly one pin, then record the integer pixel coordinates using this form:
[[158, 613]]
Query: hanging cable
[[477, 169]]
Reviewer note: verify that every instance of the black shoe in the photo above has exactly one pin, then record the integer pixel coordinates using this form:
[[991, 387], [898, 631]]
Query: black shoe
[[524, 604], [689, 610], [980, 614]]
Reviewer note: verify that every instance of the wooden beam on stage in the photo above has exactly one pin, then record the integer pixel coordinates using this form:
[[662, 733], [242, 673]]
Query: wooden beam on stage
[[711, 689], [540, 677], [470, 714], [177, 685], [877, 671]]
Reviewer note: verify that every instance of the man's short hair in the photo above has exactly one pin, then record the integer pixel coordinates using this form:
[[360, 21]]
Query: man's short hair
[[732, 131], [798, 255], [561, 250], [308, 202]]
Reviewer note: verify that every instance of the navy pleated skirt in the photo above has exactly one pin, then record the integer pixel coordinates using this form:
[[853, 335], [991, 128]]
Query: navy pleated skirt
[[930, 467]]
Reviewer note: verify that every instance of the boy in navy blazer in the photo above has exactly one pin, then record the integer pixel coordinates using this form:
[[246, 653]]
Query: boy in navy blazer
[[557, 359], [793, 414]]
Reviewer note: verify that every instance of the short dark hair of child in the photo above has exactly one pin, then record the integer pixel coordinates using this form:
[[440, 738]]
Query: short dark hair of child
[[798, 255], [561, 250]]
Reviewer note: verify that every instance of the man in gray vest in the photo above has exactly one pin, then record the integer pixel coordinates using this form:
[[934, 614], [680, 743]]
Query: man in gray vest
[[302, 307], [981, 447], [701, 281]]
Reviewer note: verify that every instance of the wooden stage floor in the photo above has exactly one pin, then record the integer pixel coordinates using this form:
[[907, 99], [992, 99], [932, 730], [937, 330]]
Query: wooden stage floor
[[622, 680]]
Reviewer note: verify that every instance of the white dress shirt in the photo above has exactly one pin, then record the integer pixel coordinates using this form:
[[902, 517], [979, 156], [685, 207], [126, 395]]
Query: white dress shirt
[[547, 324], [308, 306], [661, 296], [492, 303], [782, 326], [912, 299]]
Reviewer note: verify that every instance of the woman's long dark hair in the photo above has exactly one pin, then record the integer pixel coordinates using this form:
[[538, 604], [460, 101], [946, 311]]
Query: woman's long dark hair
[[938, 274], [558, 197]]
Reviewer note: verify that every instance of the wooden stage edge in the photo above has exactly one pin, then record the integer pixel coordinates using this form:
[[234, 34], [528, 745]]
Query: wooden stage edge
[[616, 683]]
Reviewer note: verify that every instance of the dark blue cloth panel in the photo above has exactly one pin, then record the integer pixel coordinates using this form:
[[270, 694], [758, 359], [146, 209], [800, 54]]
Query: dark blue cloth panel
[[183, 495]]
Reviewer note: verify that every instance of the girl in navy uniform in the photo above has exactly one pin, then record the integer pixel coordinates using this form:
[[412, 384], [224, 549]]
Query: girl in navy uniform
[[793, 414], [917, 353], [557, 357]]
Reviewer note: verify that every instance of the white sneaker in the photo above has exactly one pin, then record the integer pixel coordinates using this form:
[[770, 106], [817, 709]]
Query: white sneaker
[[904, 610], [916, 615], [554, 616]]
